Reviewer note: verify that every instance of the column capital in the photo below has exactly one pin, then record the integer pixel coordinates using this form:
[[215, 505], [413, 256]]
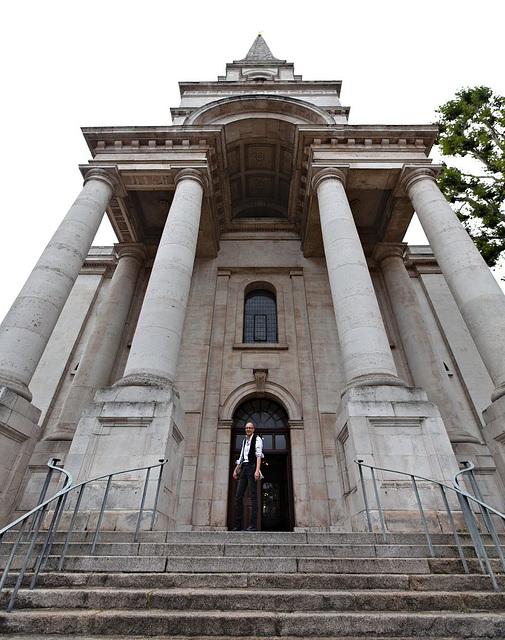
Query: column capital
[[414, 173], [132, 250], [193, 174], [384, 250], [109, 175], [329, 173]]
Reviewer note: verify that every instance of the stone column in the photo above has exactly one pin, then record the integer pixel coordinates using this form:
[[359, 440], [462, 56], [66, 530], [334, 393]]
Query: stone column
[[30, 321], [157, 339], [476, 292], [363, 340], [101, 350], [423, 359]]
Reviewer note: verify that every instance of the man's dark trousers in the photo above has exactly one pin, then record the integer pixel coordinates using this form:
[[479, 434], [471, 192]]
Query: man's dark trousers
[[246, 480]]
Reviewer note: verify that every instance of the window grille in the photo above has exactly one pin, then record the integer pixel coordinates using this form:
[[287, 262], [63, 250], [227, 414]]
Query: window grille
[[260, 316]]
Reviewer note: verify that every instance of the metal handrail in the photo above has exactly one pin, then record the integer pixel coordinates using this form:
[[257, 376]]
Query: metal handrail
[[465, 499], [37, 516]]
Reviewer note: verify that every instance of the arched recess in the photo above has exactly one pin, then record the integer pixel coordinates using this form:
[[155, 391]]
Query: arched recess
[[242, 107], [272, 390]]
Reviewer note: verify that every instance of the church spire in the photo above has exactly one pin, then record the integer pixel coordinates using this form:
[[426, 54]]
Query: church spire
[[260, 51]]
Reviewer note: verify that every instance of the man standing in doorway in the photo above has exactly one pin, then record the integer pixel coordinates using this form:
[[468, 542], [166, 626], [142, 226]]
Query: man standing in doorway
[[249, 462]]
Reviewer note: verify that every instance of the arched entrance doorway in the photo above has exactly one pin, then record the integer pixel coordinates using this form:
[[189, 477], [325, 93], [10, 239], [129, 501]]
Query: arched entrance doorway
[[275, 493]]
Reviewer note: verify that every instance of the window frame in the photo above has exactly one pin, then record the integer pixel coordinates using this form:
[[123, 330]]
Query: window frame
[[278, 292]]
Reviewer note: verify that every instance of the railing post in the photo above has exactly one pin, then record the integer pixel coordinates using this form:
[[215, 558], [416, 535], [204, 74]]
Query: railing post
[[45, 486], [485, 512], [476, 539], [141, 510], [47, 544], [12, 554], [26, 560], [365, 499], [454, 531], [163, 462], [71, 527], [102, 509], [423, 518], [379, 509]]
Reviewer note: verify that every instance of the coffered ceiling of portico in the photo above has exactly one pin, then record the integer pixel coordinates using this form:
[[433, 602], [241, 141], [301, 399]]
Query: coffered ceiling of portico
[[259, 178], [259, 159]]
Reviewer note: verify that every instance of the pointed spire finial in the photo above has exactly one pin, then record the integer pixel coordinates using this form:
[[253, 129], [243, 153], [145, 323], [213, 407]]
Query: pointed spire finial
[[259, 50]]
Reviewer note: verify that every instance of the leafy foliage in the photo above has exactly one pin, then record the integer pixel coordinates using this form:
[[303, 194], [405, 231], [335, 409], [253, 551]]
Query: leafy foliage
[[472, 125]]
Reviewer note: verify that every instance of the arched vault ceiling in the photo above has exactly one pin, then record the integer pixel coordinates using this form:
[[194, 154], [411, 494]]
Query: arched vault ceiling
[[260, 138]]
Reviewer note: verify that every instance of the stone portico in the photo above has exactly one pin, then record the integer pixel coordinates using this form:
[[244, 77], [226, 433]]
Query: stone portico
[[260, 193]]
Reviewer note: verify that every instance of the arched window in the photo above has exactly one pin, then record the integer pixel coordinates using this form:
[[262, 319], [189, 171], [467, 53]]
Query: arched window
[[260, 316]]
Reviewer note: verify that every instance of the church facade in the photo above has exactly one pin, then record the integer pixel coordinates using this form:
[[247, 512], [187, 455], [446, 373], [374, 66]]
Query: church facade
[[259, 274]]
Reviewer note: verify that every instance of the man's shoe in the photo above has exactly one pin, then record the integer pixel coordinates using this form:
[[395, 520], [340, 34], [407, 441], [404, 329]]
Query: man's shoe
[[251, 528], [236, 529]]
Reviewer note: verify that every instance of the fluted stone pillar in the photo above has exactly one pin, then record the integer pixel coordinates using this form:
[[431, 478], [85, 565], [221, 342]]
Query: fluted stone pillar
[[101, 350], [475, 290], [423, 359], [30, 321], [155, 346], [363, 340]]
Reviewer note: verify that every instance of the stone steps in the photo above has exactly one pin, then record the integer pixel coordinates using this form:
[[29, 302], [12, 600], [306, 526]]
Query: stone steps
[[221, 585]]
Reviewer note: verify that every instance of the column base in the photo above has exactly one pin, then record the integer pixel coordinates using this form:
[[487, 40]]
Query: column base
[[15, 385], [61, 433], [395, 428], [127, 427], [144, 380], [19, 433], [498, 393], [460, 436], [374, 380]]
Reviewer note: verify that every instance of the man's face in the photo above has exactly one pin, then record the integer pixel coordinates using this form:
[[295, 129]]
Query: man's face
[[249, 429]]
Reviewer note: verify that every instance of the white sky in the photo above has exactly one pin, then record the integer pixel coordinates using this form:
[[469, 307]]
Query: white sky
[[68, 64]]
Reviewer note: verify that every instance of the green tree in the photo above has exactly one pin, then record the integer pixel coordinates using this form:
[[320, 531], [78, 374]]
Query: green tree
[[472, 125]]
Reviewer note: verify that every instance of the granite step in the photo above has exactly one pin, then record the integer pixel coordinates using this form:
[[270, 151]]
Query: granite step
[[325, 581], [257, 550], [233, 599], [264, 624], [266, 537], [342, 581]]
